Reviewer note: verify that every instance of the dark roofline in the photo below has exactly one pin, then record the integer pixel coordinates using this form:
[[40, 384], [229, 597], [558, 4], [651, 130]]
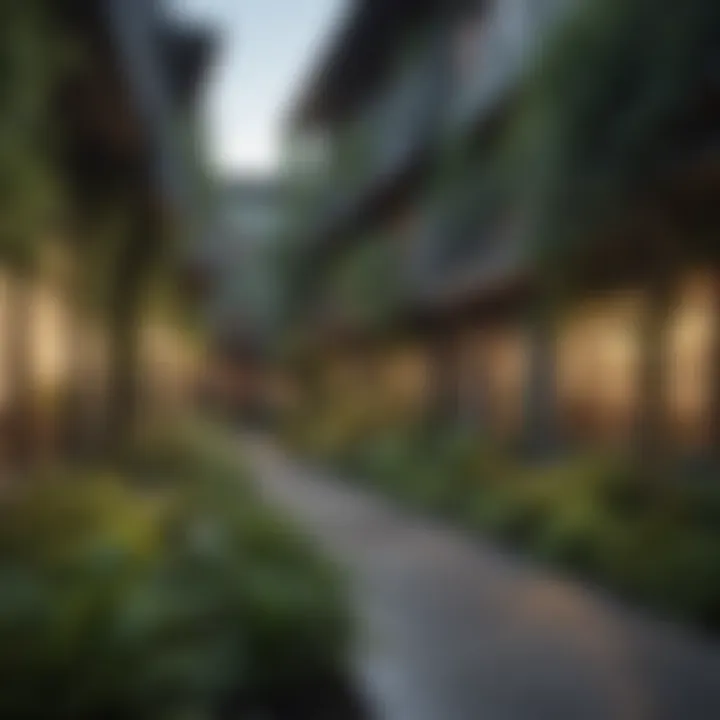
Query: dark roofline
[[188, 52], [306, 106], [358, 56], [185, 50]]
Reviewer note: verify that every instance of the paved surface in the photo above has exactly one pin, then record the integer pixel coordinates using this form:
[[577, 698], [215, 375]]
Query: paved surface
[[454, 630]]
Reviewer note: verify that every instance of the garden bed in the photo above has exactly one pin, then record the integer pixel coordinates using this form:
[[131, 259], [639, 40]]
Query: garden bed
[[163, 588], [657, 543]]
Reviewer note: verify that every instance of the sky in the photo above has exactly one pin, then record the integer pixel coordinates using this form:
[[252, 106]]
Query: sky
[[267, 49]]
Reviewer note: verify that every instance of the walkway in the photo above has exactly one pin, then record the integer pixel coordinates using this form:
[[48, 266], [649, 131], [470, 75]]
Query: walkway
[[455, 630]]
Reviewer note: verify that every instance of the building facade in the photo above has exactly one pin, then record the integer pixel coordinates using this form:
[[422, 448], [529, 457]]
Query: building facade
[[400, 164], [241, 307]]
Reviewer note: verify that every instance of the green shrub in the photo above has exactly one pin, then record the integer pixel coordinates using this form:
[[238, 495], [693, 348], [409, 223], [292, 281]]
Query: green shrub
[[516, 515], [120, 602], [597, 516], [580, 537], [700, 502], [672, 567]]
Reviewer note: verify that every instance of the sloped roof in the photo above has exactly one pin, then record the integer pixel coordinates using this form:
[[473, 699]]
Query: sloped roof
[[358, 56]]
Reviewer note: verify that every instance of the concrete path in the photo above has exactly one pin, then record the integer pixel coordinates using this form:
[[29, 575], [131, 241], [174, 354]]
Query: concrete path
[[456, 630]]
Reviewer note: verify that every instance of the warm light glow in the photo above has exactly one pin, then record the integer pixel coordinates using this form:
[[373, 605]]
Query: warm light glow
[[507, 370], [689, 355], [597, 366], [50, 350]]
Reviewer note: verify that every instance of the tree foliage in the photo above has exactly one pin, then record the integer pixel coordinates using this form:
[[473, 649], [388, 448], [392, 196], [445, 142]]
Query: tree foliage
[[606, 111], [30, 62]]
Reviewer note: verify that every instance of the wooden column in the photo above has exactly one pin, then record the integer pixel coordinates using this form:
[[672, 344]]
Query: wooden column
[[652, 437], [541, 435]]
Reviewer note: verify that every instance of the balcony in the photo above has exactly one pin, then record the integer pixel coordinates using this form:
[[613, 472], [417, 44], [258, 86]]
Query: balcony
[[468, 244], [377, 149]]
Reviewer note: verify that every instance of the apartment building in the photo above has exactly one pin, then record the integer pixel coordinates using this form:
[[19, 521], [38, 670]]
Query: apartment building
[[395, 146], [241, 307]]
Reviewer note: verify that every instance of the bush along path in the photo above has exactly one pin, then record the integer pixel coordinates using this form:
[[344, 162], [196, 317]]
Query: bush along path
[[458, 630], [657, 544], [163, 588]]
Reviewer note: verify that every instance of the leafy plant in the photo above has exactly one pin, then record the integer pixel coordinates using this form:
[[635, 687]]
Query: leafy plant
[[597, 516], [606, 110], [158, 601]]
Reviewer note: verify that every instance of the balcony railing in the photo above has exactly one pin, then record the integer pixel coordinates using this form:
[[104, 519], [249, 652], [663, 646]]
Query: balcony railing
[[380, 144], [420, 104], [464, 239]]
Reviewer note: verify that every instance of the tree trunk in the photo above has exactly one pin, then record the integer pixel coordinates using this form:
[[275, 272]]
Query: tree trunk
[[123, 385], [77, 431], [131, 282]]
